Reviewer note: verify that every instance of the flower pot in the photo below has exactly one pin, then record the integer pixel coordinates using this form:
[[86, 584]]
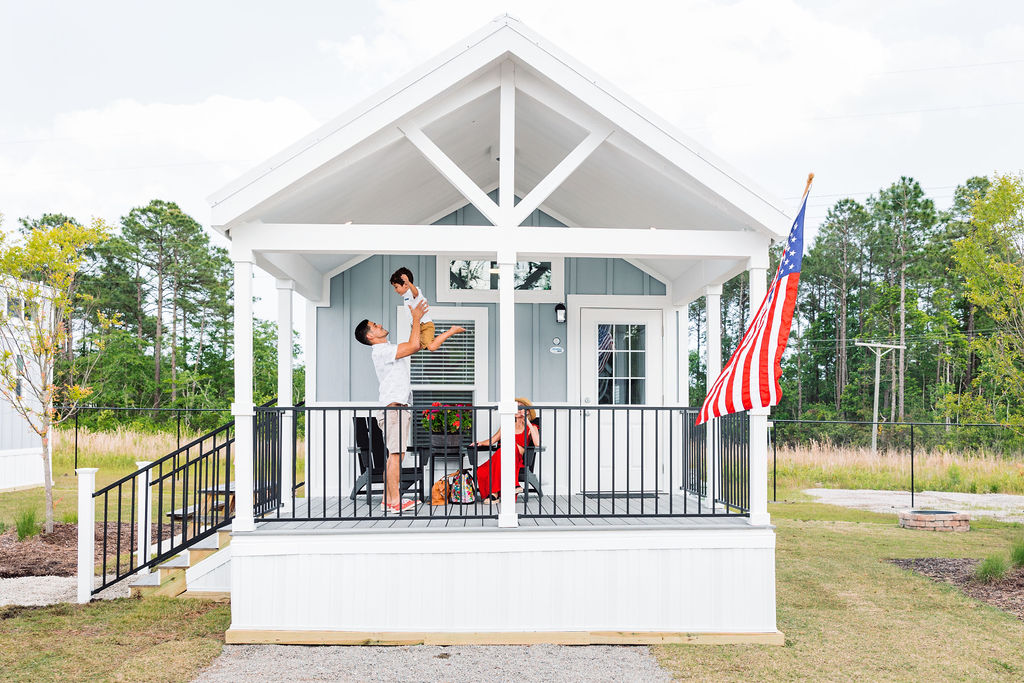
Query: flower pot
[[445, 442]]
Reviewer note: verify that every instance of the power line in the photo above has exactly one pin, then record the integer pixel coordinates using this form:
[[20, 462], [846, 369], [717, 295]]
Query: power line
[[875, 74]]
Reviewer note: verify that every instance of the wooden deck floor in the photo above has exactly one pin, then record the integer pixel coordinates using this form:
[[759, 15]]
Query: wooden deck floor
[[536, 511]]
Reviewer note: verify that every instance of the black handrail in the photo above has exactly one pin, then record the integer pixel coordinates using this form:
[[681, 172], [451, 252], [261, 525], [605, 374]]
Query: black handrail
[[204, 496]]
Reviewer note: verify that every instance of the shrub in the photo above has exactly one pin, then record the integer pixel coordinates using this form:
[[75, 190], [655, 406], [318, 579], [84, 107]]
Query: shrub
[[1017, 553], [3, 528], [992, 568], [70, 517], [27, 523]]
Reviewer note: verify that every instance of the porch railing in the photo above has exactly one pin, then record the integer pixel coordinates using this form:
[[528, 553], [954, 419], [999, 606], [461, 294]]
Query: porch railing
[[167, 506], [149, 516], [588, 462]]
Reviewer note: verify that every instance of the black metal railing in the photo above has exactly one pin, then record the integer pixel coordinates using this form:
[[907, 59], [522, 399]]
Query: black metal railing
[[733, 461], [186, 496], [587, 461], [181, 498]]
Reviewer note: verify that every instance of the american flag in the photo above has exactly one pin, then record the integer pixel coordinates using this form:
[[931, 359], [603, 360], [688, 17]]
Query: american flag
[[751, 377]]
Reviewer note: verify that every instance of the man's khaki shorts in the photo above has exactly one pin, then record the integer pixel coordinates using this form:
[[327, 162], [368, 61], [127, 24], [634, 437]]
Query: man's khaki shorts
[[395, 426], [426, 334]]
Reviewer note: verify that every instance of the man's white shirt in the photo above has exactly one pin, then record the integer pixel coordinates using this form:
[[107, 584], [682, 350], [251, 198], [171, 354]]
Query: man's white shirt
[[393, 375]]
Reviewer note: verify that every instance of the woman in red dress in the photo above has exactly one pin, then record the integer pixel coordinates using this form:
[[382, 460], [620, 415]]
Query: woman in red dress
[[488, 475]]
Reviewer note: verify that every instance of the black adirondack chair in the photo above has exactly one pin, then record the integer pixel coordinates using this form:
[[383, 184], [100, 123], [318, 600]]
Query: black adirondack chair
[[528, 475], [372, 455]]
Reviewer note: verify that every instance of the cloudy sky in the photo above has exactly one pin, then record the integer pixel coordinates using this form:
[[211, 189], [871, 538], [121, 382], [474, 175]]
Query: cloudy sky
[[107, 105]]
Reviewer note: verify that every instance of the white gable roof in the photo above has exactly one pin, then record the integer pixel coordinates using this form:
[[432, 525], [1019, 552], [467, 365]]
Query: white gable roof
[[359, 167]]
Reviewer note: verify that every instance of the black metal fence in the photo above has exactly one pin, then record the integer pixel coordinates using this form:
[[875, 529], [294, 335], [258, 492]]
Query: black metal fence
[[903, 441], [178, 417], [587, 461]]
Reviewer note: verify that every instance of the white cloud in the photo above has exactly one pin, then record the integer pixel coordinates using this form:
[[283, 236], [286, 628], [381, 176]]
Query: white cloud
[[102, 162]]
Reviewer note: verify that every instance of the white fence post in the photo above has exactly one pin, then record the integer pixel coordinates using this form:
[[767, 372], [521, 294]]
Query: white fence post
[[86, 532], [143, 508]]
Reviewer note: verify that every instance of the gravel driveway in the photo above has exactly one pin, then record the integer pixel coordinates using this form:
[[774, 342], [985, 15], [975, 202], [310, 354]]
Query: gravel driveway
[[434, 663], [1001, 506], [47, 590]]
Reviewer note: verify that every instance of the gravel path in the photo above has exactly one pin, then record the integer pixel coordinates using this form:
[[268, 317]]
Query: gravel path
[[999, 506], [48, 590], [433, 663]]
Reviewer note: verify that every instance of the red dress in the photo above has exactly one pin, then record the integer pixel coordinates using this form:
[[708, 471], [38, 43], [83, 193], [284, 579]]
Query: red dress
[[488, 475]]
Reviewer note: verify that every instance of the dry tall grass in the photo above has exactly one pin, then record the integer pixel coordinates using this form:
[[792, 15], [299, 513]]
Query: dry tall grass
[[113, 448], [823, 464]]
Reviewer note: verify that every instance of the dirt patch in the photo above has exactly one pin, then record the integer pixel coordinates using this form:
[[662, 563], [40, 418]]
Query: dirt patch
[[1006, 594], [56, 554]]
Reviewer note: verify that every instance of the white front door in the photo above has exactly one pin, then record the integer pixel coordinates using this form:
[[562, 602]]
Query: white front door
[[620, 369]]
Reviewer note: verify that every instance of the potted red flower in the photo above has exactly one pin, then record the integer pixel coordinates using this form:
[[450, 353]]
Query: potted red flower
[[446, 424]]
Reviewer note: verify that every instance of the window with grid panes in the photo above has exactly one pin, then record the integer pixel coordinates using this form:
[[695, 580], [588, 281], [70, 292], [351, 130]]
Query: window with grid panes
[[621, 364]]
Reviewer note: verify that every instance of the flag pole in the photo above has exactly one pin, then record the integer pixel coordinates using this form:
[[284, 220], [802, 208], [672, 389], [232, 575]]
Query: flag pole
[[807, 188]]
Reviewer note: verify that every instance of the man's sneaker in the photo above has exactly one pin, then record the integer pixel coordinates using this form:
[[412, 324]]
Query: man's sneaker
[[405, 505]]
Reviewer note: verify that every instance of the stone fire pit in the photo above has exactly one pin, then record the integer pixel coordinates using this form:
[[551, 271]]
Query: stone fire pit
[[935, 520]]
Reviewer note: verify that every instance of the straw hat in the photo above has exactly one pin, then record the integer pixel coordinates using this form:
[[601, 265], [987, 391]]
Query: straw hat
[[531, 414]]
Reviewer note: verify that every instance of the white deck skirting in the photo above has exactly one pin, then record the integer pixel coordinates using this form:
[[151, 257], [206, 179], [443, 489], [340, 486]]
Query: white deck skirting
[[656, 582]]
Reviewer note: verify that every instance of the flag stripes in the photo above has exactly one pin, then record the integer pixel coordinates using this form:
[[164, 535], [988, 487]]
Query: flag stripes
[[751, 377]]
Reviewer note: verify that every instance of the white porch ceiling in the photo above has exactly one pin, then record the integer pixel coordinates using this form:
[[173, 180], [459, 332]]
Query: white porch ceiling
[[396, 185]]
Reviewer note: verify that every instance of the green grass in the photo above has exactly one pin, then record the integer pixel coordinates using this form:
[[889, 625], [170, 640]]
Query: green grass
[[847, 614], [27, 523], [156, 639], [992, 568], [1017, 553]]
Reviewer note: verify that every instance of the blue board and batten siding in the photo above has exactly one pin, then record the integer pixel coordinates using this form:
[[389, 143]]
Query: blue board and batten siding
[[343, 366]]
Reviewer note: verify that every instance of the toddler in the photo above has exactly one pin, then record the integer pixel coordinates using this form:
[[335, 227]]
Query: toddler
[[401, 280]]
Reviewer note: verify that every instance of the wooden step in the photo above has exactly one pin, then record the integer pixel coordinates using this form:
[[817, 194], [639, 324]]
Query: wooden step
[[223, 538], [197, 555], [172, 582], [145, 585], [214, 596]]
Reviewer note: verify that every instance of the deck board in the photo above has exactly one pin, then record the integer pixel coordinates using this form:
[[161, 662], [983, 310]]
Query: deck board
[[318, 514]]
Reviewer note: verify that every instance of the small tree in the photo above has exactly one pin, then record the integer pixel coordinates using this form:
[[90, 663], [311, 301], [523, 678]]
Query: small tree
[[38, 272]]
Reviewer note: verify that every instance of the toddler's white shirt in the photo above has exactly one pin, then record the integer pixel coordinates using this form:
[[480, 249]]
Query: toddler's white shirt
[[409, 300]]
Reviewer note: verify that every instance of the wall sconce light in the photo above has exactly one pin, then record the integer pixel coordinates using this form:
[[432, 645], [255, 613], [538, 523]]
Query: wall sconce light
[[560, 313]]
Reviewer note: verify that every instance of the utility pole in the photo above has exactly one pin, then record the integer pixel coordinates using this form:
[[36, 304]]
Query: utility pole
[[880, 350]]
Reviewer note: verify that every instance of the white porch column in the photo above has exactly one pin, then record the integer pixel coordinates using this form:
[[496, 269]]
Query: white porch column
[[713, 299], [683, 341], [758, 271], [507, 516], [242, 408], [143, 515], [285, 288], [86, 532]]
